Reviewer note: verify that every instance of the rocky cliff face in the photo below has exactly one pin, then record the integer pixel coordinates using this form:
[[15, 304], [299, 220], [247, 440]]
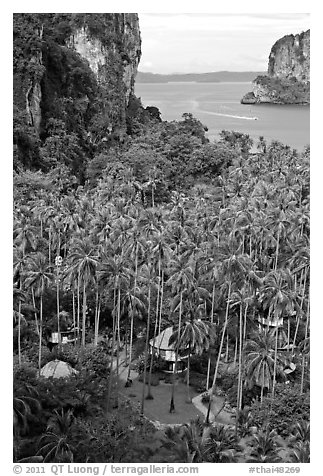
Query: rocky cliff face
[[83, 58], [288, 78], [290, 57], [101, 54]]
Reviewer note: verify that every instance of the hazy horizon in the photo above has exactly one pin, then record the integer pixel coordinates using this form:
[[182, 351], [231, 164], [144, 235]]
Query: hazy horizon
[[204, 72], [183, 43]]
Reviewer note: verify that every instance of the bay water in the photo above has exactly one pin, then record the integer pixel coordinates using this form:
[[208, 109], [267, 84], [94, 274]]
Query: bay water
[[217, 106]]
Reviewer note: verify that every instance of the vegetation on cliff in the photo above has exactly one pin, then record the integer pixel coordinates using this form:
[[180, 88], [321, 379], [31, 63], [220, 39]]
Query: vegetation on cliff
[[75, 111], [288, 78], [278, 91]]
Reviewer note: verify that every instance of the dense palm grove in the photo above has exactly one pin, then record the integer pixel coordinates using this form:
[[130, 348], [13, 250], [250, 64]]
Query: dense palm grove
[[168, 229]]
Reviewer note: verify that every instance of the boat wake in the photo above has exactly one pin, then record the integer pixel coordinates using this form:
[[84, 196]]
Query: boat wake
[[195, 108], [245, 118]]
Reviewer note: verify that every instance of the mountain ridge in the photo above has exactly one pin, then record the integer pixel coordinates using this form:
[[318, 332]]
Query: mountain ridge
[[209, 77]]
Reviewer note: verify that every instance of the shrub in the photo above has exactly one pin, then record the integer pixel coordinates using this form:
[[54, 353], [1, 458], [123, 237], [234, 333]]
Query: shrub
[[158, 364], [288, 408], [94, 359], [198, 382], [245, 422], [205, 397]]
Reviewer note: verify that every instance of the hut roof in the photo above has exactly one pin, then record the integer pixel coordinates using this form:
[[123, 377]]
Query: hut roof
[[162, 340], [57, 369]]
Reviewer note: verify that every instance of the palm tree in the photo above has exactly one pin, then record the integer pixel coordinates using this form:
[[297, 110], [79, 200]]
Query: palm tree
[[147, 276], [135, 246], [265, 447], [260, 360], [39, 278], [301, 432], [114, 271], [25, 235], [55, 444], [220, 445], [301, 452], [186, 442], [134, 305], [160, 254], [25, 404], [212, 273], [234, 268], [277, 297], [85, 260], [20, 297], [181, 279], [197, 335], [306, 345]]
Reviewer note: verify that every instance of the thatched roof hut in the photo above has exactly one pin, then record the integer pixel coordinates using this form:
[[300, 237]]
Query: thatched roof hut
[[57, 369], [163, 349]]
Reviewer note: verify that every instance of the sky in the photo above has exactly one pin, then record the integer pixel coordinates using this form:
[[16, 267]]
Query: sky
[[204, 42]]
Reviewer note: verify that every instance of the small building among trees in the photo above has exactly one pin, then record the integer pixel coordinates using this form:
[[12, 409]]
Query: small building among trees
[[160, 347]]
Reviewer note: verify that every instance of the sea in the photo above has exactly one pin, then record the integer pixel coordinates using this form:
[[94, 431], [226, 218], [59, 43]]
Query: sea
[[218, 107]]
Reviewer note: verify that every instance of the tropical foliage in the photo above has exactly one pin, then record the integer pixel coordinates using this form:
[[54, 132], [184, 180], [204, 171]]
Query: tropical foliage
[[116, 241]]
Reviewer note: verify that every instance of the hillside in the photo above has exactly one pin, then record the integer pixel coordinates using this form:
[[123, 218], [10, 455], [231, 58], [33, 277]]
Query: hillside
[[213, 77], [73, 80]]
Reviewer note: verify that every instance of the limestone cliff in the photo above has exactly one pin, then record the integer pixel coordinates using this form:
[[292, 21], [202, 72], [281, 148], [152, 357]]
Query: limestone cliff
[[121, 48], [288, 77], [77, 69]]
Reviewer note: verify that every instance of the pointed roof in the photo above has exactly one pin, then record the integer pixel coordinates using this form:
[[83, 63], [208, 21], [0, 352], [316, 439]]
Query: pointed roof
[[162, 340], [57, 369]]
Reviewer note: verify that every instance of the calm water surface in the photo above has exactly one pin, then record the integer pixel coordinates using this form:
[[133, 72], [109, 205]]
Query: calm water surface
[[217, 105]]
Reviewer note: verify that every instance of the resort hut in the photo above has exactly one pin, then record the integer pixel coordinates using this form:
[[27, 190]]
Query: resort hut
[[57, 369], [161, 348], [272, 324]]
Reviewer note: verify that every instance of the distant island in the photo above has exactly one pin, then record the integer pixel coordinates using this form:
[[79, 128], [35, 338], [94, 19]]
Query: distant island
[[287, 80], [213, 77]]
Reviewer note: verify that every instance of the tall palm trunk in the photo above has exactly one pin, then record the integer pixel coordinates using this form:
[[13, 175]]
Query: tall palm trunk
[[209, 358], [299, 314], [242, 353], [78, 308], [303, 357], [161, 299], [57, 302], [96, 317], [114, 318], [277, 250], [19, 331], [189, 399], [49, 245], [172, 403], [262, 385], [118, 344], [146, 351], [40, 333], [34, 304], [73, 311], [239, 396], [133, 311], [275, 361], [160, 292], [235, 349], [288, 335], [149, 394], [84, 314], [227, 348], [219, 356]]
